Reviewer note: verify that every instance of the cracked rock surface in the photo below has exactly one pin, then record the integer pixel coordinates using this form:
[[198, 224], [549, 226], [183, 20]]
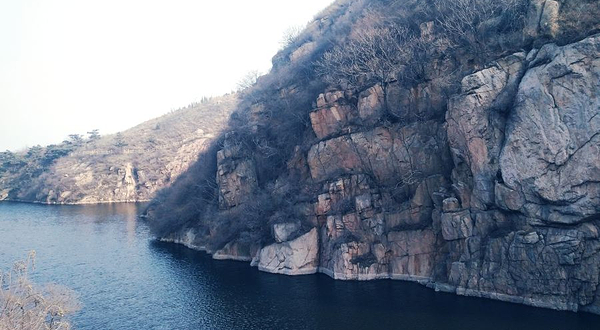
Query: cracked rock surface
[[498, 197]]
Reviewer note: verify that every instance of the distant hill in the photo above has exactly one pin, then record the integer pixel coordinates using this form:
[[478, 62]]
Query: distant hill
[[124, 167]]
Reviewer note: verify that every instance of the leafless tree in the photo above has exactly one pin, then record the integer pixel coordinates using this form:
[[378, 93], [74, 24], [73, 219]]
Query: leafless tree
[[462, 21], [26, 306], [374, 53], [248, 80], [290, 35]]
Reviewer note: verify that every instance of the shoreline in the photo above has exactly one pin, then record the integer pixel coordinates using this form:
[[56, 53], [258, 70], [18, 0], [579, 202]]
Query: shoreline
[[425, 281], [75, 203]]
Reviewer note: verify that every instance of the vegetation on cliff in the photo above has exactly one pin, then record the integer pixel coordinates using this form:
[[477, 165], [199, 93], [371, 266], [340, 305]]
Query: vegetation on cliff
[[351, 46], [386, 143]]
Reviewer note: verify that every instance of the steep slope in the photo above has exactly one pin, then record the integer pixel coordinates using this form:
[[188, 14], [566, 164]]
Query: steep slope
[[453, 143], [125, 167]]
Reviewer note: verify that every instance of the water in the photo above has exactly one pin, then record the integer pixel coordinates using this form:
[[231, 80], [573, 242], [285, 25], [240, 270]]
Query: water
[[126, 280]]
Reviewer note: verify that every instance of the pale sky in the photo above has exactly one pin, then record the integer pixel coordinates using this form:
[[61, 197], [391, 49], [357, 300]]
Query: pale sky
[[69, 66]]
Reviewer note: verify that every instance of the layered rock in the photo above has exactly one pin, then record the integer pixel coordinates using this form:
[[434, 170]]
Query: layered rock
[[512, 214], [386, 152], [529, 233], [478, 180]]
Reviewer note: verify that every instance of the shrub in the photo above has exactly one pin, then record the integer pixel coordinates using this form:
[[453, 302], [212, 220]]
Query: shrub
[[184, 202], [374, 53], [26, 306], [463, 21]]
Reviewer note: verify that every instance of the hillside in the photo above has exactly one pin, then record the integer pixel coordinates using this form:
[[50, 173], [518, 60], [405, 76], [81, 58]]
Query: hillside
[[452, 143], [125, 167]]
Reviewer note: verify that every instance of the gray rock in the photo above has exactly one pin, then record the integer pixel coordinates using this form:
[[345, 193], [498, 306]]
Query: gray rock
[[296, 257], [457, 225], [451, 204], [371, 104], [282, 231], [476, 124], [552, 148]]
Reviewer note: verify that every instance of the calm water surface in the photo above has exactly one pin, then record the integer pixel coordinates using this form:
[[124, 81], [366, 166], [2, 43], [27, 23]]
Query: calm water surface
[[126, 280]]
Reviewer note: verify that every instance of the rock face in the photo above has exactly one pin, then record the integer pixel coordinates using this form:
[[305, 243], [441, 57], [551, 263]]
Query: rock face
[[472, 178], [385, 152], [236, 175], [334, 114], [500, 199], [528, 231], [236, 250], [475, 125], [550, 156], [283, 231]]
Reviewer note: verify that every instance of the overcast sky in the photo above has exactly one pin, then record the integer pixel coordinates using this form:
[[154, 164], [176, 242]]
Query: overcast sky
[[69, 66]]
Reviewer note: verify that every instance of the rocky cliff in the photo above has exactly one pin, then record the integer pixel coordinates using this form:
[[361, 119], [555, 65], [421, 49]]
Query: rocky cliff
[[478, 179], [130, 166]]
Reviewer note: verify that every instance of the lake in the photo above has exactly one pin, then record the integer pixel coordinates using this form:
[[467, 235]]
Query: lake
[[127, 280]]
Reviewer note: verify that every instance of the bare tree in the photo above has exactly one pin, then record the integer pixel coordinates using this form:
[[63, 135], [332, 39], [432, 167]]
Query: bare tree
[[290, 35], [248, 80], [378, 51], [26, 306], [462, 21], [372, 54]]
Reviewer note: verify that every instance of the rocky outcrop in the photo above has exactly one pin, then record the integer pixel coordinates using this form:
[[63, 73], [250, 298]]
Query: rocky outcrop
[[387, 152], [542, 19], [501, 200], [475, 124], [528, 234], [236, 175], [481, 179], [237, 250], [550, 156], [334, 115], [295, 257]]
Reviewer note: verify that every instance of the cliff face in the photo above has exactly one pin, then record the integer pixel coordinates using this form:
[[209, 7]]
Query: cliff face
[[126, 167], [488, 188]]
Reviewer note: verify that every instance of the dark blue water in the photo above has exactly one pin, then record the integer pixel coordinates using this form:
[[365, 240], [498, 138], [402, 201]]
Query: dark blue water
[[128, 281]]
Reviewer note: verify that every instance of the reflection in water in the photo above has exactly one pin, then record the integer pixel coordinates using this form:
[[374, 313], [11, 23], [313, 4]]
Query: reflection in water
[[128, 281]]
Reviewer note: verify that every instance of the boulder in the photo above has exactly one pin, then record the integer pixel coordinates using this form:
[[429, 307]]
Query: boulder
[[295, 257]]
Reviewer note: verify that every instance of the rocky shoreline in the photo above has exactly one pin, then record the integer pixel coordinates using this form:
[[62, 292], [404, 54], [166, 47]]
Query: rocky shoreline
[[425, 281], [499, 199]]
